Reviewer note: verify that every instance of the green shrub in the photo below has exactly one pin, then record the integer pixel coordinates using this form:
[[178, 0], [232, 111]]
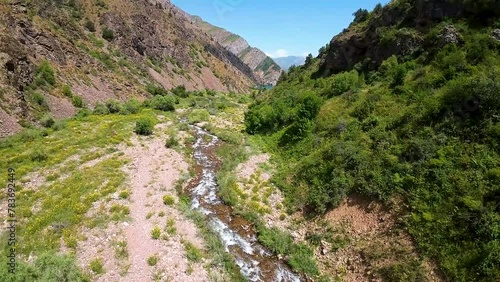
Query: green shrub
[[90, 26], [163, 103], [144, 126], [342, 83], [180, 91], [82, 113], [124, 194], [47, 121], [153, 260], [168, 200], [39, 99], [301, 259], [170, 228], [360, 15], [97, 266], [393, 71], [45, 75], [132, 106], [156, 90], [155, 233], [279, 242], [193, 254], [108, 33], [172, 141], [100, 109], [411, 271], [38, 156], [77, 101], [198, 115], [59, 125], [46, 267], [113, 106], [67, 91]]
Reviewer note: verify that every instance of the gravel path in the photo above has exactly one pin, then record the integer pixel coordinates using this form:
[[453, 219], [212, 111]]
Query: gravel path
[[153, 171]]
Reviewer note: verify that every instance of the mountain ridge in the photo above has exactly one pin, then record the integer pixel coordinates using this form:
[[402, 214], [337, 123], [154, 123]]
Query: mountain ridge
[[286, 62], [100, 50], [264, 66]]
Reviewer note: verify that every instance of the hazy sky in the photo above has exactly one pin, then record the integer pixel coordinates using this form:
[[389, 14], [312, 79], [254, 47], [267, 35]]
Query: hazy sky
[[279, 27]]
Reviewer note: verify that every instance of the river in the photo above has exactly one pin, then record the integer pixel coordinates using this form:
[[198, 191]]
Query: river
[[237, 234]]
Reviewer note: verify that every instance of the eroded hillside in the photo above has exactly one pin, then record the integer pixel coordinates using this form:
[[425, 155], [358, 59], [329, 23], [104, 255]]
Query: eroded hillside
[[263, 66], [58, 56]]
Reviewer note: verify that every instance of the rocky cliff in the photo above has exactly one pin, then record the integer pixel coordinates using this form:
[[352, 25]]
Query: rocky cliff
[[264, 67], [58, 54], [396, 29]]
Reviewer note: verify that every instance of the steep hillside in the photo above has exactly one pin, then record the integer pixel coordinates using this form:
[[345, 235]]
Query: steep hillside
[[400, 28], [58, 56], [402, 107], [264, 67]]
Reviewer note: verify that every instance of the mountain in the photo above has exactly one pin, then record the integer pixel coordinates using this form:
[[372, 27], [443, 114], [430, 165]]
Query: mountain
[[370, 45], [57, 56], [402, 108], [265, 68], [286, 62]]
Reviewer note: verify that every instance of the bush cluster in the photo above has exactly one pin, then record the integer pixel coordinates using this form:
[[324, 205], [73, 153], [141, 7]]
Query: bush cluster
[[425, 129]]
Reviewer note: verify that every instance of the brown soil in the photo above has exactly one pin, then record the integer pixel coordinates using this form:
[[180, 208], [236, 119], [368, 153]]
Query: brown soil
[[8, 124], [374, 242]]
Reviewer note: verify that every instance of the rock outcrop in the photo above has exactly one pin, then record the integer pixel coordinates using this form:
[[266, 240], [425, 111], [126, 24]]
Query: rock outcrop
[[397, 29], [496, 34]]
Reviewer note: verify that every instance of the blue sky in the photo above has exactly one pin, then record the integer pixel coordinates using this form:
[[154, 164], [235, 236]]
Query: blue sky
[[279, 27]]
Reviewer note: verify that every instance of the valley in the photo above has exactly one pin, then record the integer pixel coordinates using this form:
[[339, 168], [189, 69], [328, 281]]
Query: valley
[[138, 144]]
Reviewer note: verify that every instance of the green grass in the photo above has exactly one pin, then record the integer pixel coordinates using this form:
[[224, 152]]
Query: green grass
[[168, 200], [155, 233], [121, 251], [64, 201], [96, 266], [153, 260], [170, 227], [231, 38], [193, 254], [46, 267], [300, 256], [198, 115], [125, 194]]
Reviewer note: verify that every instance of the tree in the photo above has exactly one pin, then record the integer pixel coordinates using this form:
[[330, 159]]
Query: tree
[[324, 49], [360, 15], [283, 76], [309, 60]]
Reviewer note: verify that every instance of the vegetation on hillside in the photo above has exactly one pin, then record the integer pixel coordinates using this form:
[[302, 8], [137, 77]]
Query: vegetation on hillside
[[423, 128], [78, 163]]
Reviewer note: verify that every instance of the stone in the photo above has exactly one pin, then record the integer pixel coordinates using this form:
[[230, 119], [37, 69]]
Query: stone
[[450, 35], [324, 248], [495, 34]]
